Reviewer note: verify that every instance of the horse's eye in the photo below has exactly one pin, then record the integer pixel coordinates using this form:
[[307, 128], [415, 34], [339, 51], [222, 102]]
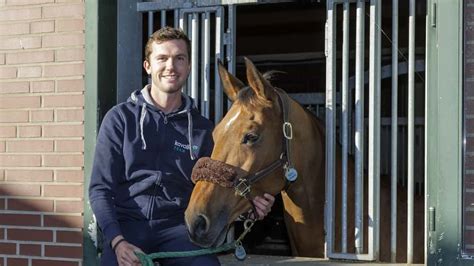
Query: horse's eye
[[250, 138]]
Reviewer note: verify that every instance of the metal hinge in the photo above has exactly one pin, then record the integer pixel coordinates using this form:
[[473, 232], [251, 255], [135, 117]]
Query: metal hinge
[[432, 230], [433, 15]]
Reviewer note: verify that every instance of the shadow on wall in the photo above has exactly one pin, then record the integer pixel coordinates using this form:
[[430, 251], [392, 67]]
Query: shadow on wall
[[38, 230]]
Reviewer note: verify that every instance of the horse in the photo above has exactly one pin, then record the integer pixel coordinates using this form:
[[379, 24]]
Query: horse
[[266, 143]]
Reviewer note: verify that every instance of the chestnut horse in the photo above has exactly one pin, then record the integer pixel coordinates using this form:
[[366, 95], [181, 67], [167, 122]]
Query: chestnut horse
[[251, 145]]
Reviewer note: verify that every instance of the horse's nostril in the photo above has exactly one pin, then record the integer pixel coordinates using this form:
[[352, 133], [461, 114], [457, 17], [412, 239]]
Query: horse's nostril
[[201, 225]]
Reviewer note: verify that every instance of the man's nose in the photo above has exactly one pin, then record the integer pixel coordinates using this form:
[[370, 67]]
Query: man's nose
[[170, 63]]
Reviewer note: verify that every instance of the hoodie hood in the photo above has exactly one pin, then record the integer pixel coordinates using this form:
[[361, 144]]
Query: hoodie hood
[[143, 99]]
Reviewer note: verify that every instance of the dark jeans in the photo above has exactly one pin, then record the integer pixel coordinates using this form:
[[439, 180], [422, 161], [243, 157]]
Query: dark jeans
[[150, 239]]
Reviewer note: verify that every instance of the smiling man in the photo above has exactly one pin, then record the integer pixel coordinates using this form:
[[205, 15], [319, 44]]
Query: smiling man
[[146, 149]]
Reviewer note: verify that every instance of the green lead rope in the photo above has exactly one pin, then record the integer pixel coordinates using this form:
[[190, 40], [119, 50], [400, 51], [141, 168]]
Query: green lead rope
[[147, 259]]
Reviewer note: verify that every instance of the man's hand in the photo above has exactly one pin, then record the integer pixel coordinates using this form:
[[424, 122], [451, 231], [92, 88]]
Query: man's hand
[[263, 205], [125, 252]]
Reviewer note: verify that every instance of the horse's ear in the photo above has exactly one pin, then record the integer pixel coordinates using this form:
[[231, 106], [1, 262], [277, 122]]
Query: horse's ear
[[256, 80], [232, 85]]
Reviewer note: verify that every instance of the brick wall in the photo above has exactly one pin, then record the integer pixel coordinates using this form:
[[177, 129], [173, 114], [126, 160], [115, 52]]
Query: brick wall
[[468, 191], [41, 132]]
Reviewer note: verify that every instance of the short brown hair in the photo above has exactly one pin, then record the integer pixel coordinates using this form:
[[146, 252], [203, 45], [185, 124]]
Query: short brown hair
[[166, 34]]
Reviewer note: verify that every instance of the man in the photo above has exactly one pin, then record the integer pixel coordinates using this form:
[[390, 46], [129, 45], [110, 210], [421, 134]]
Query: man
[[146, 149]]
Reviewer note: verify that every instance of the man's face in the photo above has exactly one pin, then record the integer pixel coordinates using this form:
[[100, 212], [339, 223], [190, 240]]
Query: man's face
[[168, 65]]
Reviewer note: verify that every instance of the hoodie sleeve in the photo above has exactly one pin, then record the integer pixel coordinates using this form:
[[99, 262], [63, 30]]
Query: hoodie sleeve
[[108, 169]]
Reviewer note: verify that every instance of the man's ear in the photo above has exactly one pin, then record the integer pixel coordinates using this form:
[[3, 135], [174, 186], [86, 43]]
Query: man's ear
[[146, 66]]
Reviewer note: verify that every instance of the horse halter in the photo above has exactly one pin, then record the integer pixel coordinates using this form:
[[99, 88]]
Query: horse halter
[[227, 175]]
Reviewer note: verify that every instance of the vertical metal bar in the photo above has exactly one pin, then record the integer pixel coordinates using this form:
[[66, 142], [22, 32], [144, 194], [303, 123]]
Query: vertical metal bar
[[359, 127], [231, 32], [195, 56], [218, 56], [344, 105], [411, 128], [163, 18], [177, 19], [188, 28], [330, 124], [394, 135], [150, 32], [205, 69], [374, 128]]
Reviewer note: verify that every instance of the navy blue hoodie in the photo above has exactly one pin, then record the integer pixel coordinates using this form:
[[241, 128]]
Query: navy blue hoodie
[[143, 162]]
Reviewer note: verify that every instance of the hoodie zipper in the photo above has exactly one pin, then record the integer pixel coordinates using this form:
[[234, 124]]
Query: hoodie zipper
[[152, 198]]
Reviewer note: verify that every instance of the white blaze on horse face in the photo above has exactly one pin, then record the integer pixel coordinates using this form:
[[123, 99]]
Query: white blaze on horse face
[[232, 119]]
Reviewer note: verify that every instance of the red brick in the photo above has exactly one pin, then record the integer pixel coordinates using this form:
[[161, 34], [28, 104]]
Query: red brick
[[42, 116], [14, 87], [20, 220], [29, 131], [30, 250], [63, 131], [11, 102], [8, 132], [30, 235], [69, 176], [28, 2], [69, 146], [7, 248], [70, 115], [29, 72], [29, 175], [21, 190], [63, 40], [2, 59], [30, 57], [14, 28], [63, 101], [42, 86], [8, 72], [35, 205], [2, 174], [24, 42], [68, 206], [20, 160], [66, 221], [63, 252], [70, 25], [75, 69], [69, 11], [76, 54], [69, 237], [69, 191], [2, 146], [20, 14], [42, 26], [64, 160], [2, 206], [13, 116], [27, 146], [38, 262], [17, 262], [70, 85], [2, 233]]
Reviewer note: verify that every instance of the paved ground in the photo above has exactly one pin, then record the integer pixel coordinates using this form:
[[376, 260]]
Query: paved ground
[[261, 260]]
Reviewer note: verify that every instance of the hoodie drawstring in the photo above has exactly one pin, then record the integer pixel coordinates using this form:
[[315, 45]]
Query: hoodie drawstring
[[190, 136], [142, 121]]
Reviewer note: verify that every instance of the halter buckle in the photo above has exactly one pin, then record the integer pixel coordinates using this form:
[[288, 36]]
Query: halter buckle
[[287, 130], [242, 188]]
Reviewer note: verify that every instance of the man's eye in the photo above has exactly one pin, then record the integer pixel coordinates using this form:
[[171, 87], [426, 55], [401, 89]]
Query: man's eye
[[250, 138]]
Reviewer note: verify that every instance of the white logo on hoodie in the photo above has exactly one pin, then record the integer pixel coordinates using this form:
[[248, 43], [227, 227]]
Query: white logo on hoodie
[[183, 147]]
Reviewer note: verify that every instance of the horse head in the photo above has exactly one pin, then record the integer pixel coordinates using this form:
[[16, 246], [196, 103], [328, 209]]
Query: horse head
[[247, 147]]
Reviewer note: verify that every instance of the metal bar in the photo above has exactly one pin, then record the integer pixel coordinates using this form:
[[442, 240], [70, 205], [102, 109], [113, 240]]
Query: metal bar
[[231, 35], [411, 128], [177, 4], [195, 57], [394, 133], [351, 256], [150, 32], [374, 128], [344, 108], [188, 29], [359, 127], [219, 50], [177, 19], [163, 18], [205, 69], [330, 125]]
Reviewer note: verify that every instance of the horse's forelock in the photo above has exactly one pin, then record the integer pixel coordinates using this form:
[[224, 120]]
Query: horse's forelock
[[249, 99]]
